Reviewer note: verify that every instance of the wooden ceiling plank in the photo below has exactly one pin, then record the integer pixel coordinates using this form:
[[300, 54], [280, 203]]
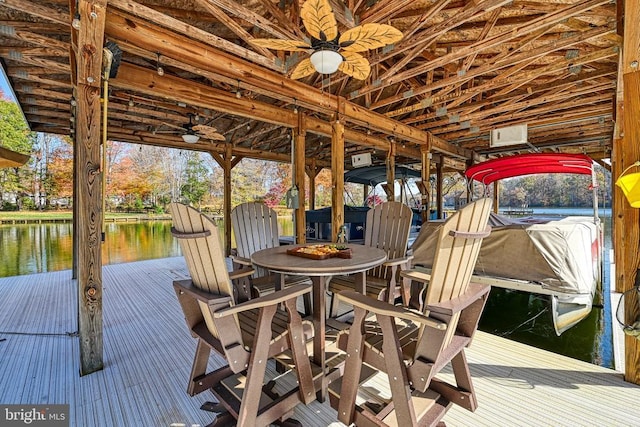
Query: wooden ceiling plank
[[503, 61], [13, 51], [509, 105], [253, 18], [469, 60], [506, 115], [421, 41], [195, 33], [23, 75], [48, 28], [382, 11], [562, 116], [54, 15], [234, 26], [41, 62], [426, 16], [532, 26], [284, 21], [16, 33]]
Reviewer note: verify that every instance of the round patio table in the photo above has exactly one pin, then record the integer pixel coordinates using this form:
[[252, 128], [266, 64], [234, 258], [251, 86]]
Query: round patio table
[[320, 271]]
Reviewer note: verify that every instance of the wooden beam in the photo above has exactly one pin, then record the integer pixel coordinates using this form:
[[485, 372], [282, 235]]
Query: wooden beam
[[11, 159], [43, 12], [193, 32], [391, 171], [482, 45], [299, 140], [228, 166], [628, 227], [89, 184], [337, 179]]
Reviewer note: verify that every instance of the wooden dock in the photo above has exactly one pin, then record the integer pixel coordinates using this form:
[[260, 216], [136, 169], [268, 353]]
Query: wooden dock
[[148, 352]]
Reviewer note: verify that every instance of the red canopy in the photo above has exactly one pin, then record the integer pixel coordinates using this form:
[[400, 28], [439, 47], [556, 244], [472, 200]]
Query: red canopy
[[528, 164]]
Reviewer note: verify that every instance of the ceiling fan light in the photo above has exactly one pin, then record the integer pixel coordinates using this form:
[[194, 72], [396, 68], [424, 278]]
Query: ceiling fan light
[[190, 138], [326, 61]]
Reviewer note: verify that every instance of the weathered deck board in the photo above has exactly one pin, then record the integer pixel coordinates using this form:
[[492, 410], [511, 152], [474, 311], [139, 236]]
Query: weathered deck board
[[148, 353]]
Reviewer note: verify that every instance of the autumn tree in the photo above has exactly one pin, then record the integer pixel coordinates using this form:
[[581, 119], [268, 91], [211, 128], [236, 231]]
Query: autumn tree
[[60, 171]]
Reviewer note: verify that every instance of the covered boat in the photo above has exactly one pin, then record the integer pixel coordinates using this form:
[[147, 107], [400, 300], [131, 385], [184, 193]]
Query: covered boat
[[560, 258]]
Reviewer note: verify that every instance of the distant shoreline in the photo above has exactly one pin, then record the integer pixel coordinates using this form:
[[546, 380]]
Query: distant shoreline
[[35, 217]]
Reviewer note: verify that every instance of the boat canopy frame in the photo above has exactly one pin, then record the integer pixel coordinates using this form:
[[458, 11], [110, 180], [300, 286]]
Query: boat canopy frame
[[494, 170]]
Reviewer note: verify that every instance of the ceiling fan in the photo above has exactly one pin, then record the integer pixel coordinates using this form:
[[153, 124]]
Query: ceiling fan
[[192, 132], [332, 51]]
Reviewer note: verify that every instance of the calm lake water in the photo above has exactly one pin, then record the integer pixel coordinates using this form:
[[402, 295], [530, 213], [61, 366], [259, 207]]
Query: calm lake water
[[36, 248]]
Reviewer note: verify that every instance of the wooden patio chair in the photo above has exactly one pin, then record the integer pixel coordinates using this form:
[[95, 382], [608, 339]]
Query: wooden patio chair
[[255, 227], [246, 334], [387, 227], [408, 348]]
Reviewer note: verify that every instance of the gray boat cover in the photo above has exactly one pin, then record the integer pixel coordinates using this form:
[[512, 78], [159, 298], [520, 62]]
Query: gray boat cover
[[560, 255]]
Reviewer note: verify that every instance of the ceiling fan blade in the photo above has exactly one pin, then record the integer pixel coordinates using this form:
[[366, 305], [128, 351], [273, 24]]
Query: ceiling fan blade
[[279, 44], [355, 65], [209, 132], [173, 126], [204, 128], [215, 137], [319, 20], [303, 69], [369, 36]]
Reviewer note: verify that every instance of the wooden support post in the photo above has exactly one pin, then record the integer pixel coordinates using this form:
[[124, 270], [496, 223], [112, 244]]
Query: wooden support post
[[425, 188], [626, 151], [439, 195], [299, 139], [337, 178], [496, 196], [390, 188], [312, 171], [628, 229], [89, 183]]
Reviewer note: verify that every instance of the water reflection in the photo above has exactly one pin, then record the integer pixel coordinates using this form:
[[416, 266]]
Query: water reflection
[[38, 248]]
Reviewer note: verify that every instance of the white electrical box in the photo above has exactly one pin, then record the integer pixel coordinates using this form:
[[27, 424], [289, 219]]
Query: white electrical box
[[360, 160], [511, 135]]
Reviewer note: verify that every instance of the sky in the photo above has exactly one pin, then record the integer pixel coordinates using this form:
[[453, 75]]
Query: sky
[[4, 84]]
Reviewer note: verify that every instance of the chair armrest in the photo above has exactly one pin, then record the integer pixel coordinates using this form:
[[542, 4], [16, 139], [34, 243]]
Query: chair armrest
[[397, 261], [241, 272], [186, 287], [267, 300], [475, 291], [383, 308], [417, 275], [240, 260]]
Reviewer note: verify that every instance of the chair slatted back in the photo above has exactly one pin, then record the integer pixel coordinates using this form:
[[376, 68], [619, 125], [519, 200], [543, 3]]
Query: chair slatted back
[[456, 254], [255, 227], [388, 226], [202, 249]]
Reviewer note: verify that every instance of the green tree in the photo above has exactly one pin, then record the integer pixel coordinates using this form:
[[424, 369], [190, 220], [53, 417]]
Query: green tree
[[15, 136], [196, 183]]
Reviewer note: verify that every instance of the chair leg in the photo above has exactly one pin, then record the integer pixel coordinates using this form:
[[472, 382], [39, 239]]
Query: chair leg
[[352, 369], [199, 367], [398, 380], [223, 417], [306, 299], [257, 366], [333, 306]]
